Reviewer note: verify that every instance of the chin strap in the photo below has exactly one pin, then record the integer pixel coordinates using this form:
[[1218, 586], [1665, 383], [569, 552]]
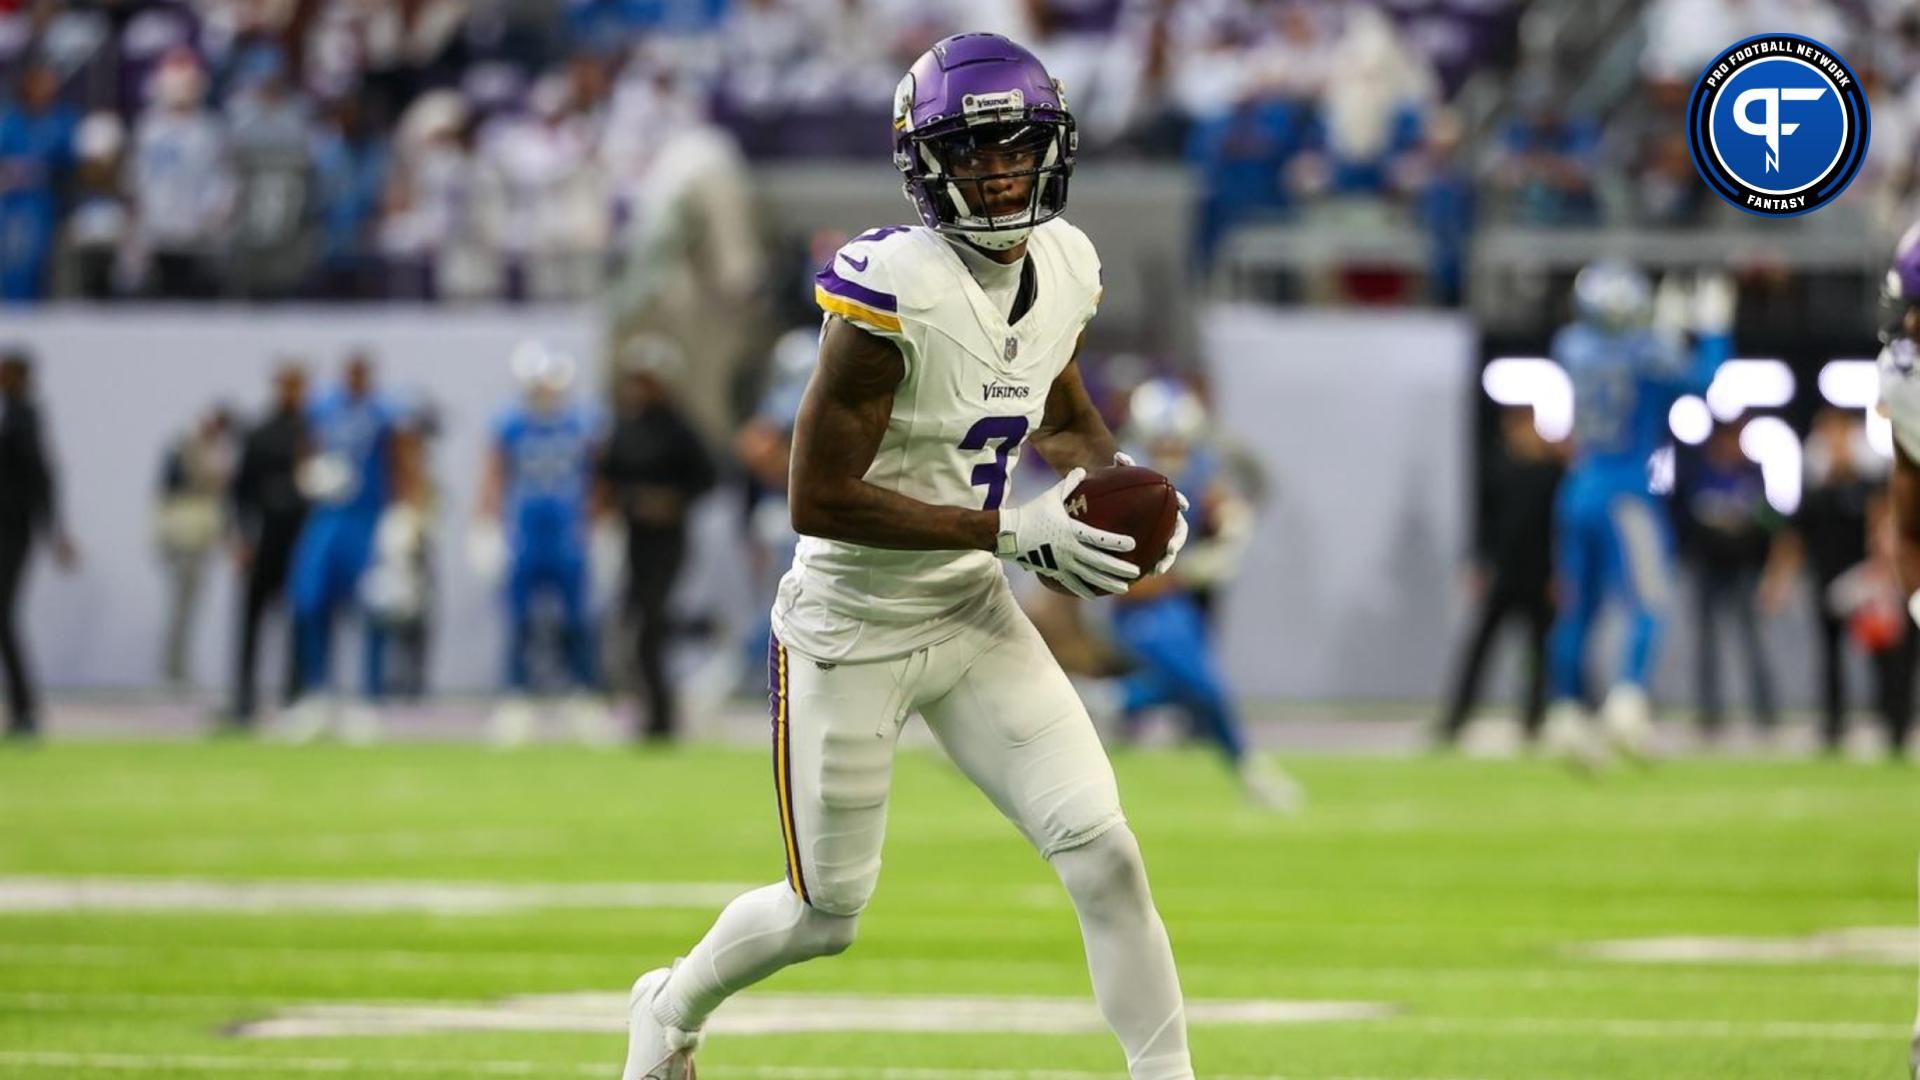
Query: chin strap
[[996, 239]]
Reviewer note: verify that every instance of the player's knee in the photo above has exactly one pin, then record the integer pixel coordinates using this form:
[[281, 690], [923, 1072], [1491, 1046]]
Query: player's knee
[[1107, 876], [821, 933], [843, 898]]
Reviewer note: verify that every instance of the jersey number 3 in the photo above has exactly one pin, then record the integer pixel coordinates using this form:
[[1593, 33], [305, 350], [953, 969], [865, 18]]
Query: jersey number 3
[[1005, 430]]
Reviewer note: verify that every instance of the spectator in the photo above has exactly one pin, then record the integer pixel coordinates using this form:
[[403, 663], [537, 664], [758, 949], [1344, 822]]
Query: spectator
[[543, 195], [351, 160], [272, 142], [268, 510], [1444, 202], [1140, 111], [1726, 527], [655, 465], [1373, 111], [36, 154], [1241, 157], [428, 234], [1827, 536], [1873, 600], [1512, 573], [182, 183], [188, 522], [1547, 159], [98, 230], [29, 506]]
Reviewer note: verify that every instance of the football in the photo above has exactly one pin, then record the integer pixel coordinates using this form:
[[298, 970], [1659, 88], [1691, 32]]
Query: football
[[1129, 500]]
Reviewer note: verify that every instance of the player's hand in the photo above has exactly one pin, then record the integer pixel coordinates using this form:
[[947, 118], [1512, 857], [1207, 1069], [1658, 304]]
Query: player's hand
[[65, 555], [1049, 542], [1178, 540]]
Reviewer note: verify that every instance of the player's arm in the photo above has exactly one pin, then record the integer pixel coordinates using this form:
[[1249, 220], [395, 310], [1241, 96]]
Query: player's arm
[[1072, 433], [493, 484], [843, 417], [409, 468], [1903, 488]]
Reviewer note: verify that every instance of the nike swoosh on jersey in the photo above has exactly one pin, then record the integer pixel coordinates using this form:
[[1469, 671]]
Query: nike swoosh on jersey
[[857, 264]]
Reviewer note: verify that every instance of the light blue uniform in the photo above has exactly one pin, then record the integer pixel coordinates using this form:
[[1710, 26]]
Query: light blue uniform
[[549, 465], [1612, 535], [336, 544], [1167, 636]]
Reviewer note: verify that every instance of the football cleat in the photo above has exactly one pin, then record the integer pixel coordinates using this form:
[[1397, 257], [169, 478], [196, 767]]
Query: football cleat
[[512, 723], [1269, 787], [590, 719], [1567, 737], [307, 719], [1627, 720], [654, 1050]]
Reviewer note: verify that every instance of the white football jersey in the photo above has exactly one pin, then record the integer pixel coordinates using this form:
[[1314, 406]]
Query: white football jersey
[[1900, 394], [975, 388]]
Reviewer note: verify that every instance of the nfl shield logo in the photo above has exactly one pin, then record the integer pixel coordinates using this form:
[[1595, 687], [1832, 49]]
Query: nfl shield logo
[[1013, 347]]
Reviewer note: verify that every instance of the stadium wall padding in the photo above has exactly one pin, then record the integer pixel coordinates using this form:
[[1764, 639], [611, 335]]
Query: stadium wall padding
[[1351, 590]]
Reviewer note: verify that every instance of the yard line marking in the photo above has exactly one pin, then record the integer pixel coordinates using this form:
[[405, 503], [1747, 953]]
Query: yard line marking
[[1869, 980], [1811, 1030], [63, 894], [776, 1014], [1895, 946], [507, 1067]]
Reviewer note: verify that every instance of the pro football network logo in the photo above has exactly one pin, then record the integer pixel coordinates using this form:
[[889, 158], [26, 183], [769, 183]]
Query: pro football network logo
[[1778, 125]]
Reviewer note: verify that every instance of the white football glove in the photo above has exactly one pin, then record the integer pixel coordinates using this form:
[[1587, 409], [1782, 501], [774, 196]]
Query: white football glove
[[1179, 539], [1049, 542]]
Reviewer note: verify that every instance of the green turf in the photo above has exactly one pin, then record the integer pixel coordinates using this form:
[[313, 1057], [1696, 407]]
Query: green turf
[[1446, 887]]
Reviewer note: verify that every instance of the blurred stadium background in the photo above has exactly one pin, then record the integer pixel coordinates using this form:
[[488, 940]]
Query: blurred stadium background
[[1347, 229]]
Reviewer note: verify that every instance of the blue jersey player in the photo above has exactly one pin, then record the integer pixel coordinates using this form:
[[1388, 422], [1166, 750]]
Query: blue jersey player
[[1612, 537], [538, 488], [1159, 623], [349, 474]]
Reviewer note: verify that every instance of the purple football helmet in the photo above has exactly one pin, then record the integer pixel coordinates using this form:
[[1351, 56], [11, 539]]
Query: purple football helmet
[[967, 108], [1902, 289]]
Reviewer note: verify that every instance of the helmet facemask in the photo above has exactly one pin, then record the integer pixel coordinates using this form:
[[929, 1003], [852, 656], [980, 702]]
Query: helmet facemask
[[965, 174], [1898, 313]]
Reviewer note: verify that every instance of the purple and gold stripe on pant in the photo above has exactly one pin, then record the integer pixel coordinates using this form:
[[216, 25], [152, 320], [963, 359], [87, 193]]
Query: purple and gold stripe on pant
[[783, 762]]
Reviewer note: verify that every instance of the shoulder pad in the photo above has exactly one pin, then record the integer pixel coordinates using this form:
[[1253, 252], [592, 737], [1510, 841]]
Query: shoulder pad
[[877, 275], [1081, 259]]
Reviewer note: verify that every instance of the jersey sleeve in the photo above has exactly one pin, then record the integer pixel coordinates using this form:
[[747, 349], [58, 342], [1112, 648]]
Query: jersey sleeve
[[1683, 367], [506, 428], [1900, 394], [860, 285], [1083, 264]]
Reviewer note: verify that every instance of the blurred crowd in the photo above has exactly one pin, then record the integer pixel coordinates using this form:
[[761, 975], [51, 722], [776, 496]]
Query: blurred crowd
[[485, 149]]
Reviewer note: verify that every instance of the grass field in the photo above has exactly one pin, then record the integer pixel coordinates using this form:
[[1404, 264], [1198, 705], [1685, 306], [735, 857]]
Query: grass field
[[1456, 892]]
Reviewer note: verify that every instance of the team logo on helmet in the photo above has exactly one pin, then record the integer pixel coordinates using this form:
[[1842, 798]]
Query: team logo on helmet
[[1778, 125]]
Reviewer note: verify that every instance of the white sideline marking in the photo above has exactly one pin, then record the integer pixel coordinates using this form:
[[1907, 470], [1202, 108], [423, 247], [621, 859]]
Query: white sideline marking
[[776, 1014], [60, 894], [1870, 982], [1810, 1030], [215, 1063], [1894, 946]]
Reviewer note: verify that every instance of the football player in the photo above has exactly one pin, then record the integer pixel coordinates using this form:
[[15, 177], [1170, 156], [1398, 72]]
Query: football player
[[357, 462], [1160, 624], [948, 350], [1612, 536], [1900, 401], [535, 496]]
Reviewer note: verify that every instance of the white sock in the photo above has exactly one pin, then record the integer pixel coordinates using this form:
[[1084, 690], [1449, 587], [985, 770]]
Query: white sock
[[759, 933], [1128, 954]]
